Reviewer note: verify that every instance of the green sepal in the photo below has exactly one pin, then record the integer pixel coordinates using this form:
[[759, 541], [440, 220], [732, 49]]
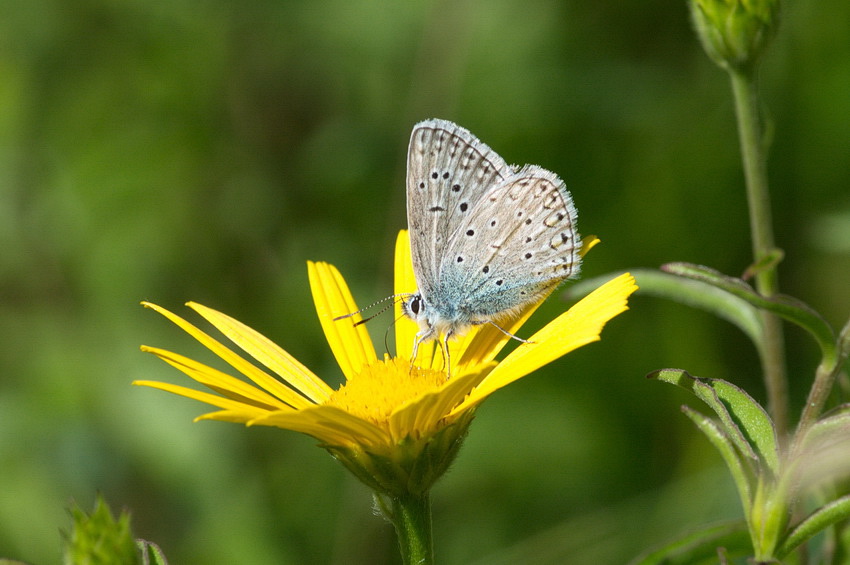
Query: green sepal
[[701, 547], [735, 33], [787, 307], [744, 421], [412, 466]]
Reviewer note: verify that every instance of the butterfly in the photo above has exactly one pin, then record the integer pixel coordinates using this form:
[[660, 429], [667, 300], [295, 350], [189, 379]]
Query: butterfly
[[486, 238]]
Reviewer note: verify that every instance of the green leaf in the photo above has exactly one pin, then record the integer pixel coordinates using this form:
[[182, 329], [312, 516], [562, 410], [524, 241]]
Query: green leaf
[[739, 469], [823, 453], [836, 421], [99, 538], [701, 547], [787, 307], [151, 553], [818, 520], [745, 422], [693, 293]]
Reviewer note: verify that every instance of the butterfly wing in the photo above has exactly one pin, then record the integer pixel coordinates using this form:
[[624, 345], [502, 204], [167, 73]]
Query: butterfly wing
[[514, 245], [448, 172]]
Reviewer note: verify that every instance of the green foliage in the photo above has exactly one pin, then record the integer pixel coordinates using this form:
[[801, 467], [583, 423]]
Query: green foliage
[[205, 150], [100, 539]]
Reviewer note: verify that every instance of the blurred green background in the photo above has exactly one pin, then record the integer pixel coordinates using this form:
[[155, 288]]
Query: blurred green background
[[204, 150]]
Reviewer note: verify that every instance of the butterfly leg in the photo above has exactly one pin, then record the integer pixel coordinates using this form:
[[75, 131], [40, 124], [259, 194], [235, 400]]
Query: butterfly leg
[[506, 332], [447, 358]]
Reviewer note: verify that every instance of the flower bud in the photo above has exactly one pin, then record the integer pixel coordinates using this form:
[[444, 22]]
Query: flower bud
[[734, 33]]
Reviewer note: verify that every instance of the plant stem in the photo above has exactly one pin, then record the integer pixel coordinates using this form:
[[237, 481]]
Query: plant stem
[[825, 376], [761, 229], [411, 516]]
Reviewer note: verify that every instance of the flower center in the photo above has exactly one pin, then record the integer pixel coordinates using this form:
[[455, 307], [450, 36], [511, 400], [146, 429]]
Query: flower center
[[382, 387]]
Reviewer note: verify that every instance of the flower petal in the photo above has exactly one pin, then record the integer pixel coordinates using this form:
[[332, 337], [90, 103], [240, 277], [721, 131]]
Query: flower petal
[[405, 283], [490, 341], [231, 387], [424, 413], [328, 424], [349, 341], [576, 327], [268, 353], [263, 379], [484, 342], [240, 411], [588, 242]]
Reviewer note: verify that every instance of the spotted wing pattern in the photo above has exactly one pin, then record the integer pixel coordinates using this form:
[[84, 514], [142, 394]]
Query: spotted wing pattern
[[517, 242], [448, 173]]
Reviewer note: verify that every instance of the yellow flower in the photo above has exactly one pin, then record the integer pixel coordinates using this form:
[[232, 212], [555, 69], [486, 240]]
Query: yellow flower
[[397, 426]]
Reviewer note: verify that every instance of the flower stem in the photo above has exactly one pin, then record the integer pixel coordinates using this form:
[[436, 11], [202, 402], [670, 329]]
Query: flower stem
[[411, 516], [761, 229], [825, 377]]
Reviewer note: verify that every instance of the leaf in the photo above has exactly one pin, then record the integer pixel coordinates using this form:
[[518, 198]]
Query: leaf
[[823, 453], [787, 307], [745, 422], [818, 520], [151, 553], [701, 547], [739, 469], [836, 421], [693, 293]]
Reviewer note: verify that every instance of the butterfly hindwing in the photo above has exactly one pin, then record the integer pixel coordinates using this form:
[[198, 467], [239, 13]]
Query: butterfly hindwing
[[517, 242]]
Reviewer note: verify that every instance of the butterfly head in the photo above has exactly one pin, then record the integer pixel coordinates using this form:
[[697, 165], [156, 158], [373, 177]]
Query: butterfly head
[[414, 307], [431, 322]]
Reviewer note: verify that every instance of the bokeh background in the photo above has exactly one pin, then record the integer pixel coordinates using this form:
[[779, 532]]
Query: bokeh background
[[205, 150]]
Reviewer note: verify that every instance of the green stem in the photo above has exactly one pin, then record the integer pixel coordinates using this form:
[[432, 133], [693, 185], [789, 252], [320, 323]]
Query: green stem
[[411, 516], [818, 395], [761, 228], [825, 377]]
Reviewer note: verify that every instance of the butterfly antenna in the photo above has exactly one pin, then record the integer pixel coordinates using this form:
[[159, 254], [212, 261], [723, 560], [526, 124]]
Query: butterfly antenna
[[381, 311]]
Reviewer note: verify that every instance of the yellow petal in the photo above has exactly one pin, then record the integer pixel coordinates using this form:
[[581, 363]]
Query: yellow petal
[[350, 343], [405, 283], [576, 327], [267, 352], [233, 416], [231, 387], [588, 242], [327, 424], [241, 412], [424, 413], [430, 355], [486, 341], [263, 379]]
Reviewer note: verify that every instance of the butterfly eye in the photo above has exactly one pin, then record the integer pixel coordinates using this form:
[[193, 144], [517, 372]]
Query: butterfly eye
[[415, 305]]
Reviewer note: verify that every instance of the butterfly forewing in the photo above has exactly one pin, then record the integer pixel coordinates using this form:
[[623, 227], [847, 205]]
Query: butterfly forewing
[[448, 172]]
